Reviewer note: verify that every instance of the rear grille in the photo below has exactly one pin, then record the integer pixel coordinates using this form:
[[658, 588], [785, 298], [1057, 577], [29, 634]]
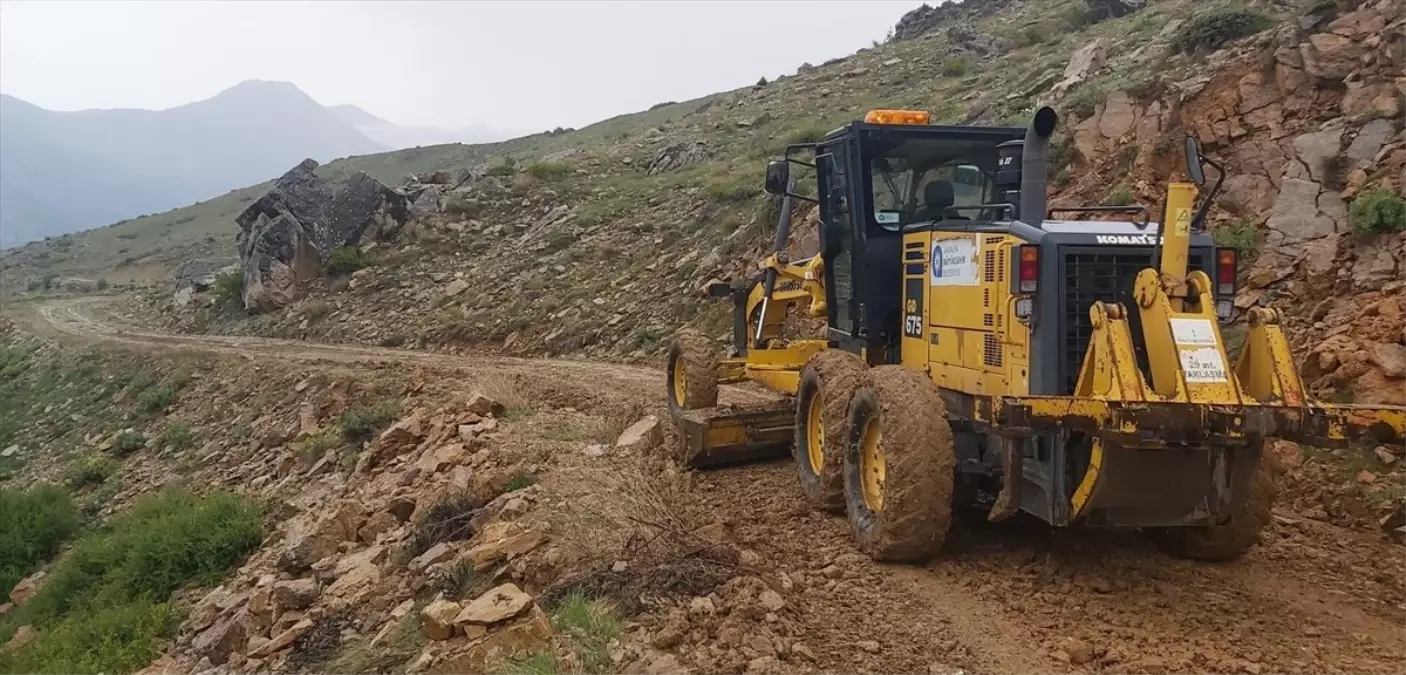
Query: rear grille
[[1102, 275]]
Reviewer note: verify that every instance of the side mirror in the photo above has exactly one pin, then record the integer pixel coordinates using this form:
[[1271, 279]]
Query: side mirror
[[1193, 161], [778, 176]]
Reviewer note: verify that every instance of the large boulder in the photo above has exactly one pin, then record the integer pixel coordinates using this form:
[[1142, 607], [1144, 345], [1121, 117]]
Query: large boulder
[[286, 236]]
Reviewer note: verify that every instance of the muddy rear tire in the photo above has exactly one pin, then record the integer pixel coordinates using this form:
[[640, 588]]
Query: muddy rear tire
[[899, 466], [1229, 540], [693, 372], [827, 384]]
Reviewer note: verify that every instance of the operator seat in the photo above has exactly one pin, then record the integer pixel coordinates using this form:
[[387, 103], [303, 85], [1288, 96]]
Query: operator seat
[[937, 196]]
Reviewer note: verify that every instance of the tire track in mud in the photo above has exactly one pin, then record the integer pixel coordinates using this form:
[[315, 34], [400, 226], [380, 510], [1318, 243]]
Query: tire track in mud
[[1010, 598]]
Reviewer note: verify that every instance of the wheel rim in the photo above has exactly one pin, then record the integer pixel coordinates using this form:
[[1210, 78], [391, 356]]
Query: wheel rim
[[815, 435], [680, 384], [871, 464]]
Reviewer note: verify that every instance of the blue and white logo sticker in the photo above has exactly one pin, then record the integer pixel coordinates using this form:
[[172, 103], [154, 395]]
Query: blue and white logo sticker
[[953, 262]]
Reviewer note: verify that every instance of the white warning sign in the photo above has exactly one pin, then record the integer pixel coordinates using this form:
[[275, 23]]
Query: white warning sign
[[954, 262], [1193, 332], [1203, 365]]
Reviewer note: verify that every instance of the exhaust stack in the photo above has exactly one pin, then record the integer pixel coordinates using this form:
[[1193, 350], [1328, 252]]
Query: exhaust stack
[[1034, 168]]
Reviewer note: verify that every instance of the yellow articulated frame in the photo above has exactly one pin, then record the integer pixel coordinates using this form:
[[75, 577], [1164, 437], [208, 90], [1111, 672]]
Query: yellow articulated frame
[[780, 368]]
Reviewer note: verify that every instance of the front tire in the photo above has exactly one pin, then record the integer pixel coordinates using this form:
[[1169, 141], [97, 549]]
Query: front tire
[[899, 466], [827, 384], [1228, 540], [693, 372]]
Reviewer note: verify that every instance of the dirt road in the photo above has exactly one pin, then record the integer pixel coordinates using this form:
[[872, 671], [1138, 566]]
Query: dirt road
[[1018, 597]]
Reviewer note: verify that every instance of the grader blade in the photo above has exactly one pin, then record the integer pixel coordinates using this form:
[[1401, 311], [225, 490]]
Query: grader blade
[[711, 437]]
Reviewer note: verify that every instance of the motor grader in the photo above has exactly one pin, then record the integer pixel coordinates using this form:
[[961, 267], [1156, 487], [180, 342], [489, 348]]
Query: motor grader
[[980, 353]]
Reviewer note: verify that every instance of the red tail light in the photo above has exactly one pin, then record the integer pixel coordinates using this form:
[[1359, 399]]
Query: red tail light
[[1225, 272], [1028, 275]]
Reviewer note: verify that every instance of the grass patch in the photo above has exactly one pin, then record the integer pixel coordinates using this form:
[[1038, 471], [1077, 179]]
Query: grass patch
[[103, 607], [584, 627], [360, 423], [314, 447], [1378, 211], [32, 525], [1213, 30], [533, 663], [546, 171], [122, 638], [736, 190], [388, 656], [520, 482], [345, 260], [166, 541]]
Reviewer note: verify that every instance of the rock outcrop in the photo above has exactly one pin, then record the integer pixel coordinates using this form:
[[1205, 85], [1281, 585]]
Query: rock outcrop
[[287, 235]]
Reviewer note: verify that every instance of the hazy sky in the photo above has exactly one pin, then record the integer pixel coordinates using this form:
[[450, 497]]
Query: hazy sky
[[523, 66]]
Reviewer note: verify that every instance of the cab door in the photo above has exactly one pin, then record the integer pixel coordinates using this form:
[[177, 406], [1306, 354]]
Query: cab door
[[837, 242]]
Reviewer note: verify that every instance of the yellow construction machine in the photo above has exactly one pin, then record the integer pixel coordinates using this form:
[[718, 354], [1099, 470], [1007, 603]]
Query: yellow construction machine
[[979, 352]]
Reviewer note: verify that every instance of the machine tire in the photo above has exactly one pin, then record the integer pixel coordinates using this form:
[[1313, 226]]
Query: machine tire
[[693, 357], [1229, 540], [827, 384], [914, 446]]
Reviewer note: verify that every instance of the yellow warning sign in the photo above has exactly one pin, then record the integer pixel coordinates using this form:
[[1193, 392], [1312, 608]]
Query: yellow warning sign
[[1183, 227]]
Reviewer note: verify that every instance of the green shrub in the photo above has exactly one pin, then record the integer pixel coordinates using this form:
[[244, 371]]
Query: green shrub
[[360, 423], [157, 399], [956, 66], [1079, 15], [317, 310], [178, 436], [121, 638], [1120, 196], [1213, 30], [32, 525], [1030, 35], [1378, 211], [166, 541], [549, 170], [1084, 101], [762, 82], [127, 442], [1237, 234], [102, 284], [93, 470], [345, 260], [229, 290]]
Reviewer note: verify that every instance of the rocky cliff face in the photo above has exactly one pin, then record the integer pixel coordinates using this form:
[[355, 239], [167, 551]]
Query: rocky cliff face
[[1306, 118]]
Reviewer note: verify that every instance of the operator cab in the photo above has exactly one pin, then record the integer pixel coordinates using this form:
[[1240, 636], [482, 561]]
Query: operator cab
[[878, 177]]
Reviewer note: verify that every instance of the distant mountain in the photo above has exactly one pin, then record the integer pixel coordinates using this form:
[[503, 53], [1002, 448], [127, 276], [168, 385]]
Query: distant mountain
[[398, 137], [67, 171]]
